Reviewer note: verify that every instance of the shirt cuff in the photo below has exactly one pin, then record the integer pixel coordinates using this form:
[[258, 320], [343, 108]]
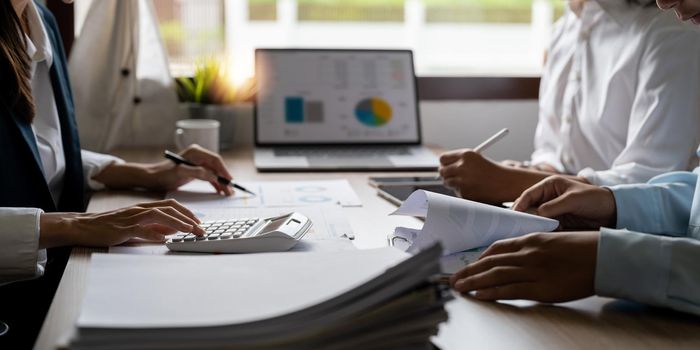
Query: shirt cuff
[[20, 258], [632, 266], [601, 178], [636, 209], [93, 164], [548, 158]]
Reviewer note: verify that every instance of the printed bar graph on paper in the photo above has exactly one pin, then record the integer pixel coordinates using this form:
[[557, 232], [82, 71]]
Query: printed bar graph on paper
[[294, 109], [314, 112]]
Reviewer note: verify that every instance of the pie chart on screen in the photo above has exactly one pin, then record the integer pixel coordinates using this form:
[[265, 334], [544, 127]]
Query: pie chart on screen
[[373, 112]]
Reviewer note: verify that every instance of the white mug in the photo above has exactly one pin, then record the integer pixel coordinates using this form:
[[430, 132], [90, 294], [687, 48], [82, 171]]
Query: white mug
[[204, 132]]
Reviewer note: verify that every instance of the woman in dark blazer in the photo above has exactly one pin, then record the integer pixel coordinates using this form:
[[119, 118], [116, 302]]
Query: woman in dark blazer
[[44, 176]]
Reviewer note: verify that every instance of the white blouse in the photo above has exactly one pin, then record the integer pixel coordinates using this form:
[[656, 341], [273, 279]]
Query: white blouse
[[20, 257], [620, 97]]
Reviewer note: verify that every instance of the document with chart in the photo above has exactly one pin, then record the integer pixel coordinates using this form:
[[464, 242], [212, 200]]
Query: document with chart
[[200, 194], [460, 224]]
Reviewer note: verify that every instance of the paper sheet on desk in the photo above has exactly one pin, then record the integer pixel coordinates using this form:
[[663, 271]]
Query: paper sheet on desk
[[330, 231], [461, 224], [199, 194]]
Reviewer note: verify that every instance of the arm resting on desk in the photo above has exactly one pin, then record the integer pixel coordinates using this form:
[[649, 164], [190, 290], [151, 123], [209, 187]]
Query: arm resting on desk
[[650, 269]]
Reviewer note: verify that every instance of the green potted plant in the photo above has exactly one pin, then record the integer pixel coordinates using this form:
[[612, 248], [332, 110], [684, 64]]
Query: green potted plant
[[211, 94]]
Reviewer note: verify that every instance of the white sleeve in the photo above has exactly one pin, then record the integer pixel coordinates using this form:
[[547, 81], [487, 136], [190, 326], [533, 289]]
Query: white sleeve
[[664, 124], [20, 257], [93, 164], [547, 139]]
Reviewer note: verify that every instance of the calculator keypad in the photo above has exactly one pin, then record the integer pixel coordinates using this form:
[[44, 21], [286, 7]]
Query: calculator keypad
[[219, 230]]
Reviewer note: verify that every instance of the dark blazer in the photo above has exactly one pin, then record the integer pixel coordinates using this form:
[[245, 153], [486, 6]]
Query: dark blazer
[[23, 305], [22, 182]]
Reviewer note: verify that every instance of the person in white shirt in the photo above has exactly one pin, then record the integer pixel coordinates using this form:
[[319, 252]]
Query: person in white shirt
[[618, 104], [646, 249], [44, 174]]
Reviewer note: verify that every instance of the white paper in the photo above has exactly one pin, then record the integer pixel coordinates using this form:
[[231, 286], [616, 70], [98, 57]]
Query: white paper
[[305, 245], [331, 231], [200, 194], [460, 224], [454, 262], [142, 291]]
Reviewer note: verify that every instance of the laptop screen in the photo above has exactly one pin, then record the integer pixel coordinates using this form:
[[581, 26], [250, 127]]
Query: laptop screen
[[335, 97]]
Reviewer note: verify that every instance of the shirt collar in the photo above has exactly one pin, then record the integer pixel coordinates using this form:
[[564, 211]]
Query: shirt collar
[[38, 44]]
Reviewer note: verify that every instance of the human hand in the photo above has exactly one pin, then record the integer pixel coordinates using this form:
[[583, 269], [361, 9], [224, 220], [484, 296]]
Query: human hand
[[575, 204], [168, 176], [470, 174], [545, 267], [474, 177], [149, 221]]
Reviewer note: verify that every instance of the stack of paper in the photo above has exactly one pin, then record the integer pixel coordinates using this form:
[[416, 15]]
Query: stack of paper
[[364, 299], [460, 224]]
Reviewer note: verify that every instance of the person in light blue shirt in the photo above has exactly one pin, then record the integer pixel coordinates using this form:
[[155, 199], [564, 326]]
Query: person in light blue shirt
[[651, 256], [658, 267]]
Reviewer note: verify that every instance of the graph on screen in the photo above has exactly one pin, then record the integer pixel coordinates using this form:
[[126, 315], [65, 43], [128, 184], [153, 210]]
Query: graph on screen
[[373, 112], [336, 97]]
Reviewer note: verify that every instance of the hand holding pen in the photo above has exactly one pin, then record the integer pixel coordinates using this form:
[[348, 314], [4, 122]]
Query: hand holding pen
[[472, 175], [482, 146], [198, 163]]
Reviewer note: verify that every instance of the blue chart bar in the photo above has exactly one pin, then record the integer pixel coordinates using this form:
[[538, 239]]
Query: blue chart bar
[[294, 109]]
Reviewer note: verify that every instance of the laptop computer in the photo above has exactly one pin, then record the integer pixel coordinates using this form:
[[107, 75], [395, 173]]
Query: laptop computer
[[338, 110]]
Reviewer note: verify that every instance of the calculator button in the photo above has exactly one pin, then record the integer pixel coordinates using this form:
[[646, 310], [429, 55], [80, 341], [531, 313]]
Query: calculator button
[[177, 239], [226, 236], [237, 234], [214, 235], [189, 238], [201, 238]]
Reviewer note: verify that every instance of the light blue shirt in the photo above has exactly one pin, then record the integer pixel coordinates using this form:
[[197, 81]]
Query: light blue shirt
[[662, 265]]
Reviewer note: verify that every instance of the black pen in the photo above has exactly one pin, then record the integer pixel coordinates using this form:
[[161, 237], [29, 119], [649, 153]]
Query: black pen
[[178, 159]]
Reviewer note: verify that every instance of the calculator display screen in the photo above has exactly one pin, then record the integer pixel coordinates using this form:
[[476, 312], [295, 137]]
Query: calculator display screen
[[274, 224]]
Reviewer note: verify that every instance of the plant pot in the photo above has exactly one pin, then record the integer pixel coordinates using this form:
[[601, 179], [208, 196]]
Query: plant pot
[[226, 115]]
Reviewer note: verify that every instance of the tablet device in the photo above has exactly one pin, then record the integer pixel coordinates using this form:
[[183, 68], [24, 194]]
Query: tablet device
[[376, 181], [398, 194]]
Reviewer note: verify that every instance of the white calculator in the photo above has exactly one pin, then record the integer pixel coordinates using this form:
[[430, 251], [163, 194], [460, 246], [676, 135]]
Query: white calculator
[[244, 235]]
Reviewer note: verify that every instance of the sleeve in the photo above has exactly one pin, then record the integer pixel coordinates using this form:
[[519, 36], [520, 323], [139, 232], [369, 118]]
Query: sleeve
[[661, 206], [20, 257], [93, 164], [664, 122], [655, 270], [547, 139]]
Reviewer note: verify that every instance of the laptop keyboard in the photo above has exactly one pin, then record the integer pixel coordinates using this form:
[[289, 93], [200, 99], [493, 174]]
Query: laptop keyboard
[[342, 152]]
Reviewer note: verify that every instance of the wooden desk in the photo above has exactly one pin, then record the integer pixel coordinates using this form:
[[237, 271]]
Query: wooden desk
[[586, 324]]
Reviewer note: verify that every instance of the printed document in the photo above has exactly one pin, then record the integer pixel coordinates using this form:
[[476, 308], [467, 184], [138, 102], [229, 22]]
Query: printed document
[[460, 224], [200, 194]]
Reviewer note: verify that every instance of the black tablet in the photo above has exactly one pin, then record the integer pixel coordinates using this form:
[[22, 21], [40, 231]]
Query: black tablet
[[396, 194]]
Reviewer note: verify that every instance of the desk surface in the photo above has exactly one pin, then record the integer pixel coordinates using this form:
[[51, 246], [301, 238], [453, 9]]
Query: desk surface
[[589, 323]]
